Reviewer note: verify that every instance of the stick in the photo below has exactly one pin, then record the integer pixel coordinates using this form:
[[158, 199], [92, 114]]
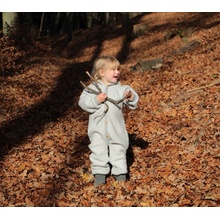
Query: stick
[[95, 81], [215, 82], [97, 93], [100, 91]]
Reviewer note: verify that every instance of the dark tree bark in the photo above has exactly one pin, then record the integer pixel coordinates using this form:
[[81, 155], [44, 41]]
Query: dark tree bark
[[125, 19]]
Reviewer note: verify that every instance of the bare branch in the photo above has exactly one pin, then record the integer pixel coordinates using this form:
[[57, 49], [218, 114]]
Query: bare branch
[[109, 99], [89, 89], [100, 91], [213, 83], [124, 98], [95, 81], [97, 93], [102, 115]]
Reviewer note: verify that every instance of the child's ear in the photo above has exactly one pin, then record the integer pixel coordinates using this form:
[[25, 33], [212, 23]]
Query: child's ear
[[101, 73]]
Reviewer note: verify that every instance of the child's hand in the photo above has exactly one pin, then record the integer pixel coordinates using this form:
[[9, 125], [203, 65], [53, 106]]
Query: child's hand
[[129, 95], [101, 97]]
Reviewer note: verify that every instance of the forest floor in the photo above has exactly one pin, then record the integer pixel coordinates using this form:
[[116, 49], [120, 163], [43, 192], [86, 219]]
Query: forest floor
[[174, 150]]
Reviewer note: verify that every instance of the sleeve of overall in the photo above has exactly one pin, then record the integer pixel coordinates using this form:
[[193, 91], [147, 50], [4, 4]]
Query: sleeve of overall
[[88, 102], [132, 104]]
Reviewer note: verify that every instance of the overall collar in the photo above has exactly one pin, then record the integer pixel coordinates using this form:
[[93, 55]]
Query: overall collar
[[110, 84]]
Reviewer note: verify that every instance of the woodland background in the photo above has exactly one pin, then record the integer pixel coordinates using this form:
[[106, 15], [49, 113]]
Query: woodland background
[[174, 133]]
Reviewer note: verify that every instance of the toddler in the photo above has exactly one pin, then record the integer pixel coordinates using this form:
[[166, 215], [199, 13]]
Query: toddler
[[106, 129]]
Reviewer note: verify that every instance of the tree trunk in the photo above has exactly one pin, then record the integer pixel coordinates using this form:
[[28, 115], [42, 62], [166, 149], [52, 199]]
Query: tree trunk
[[41, 24], [125, 19], [106, 18], [9, 20], [68, 25], [55, 26], [89, 19]]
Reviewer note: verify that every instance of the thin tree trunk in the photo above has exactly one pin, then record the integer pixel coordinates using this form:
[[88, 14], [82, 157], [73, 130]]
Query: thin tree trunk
[[106, 18], [68, 25], [41, 24], [89, 19]]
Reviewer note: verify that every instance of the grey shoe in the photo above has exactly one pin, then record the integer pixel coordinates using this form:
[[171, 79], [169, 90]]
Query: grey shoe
[[99, 179], [121, 177]]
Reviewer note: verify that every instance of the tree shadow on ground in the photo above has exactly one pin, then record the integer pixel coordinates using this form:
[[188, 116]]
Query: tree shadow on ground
[[134, 141], [54, 106]]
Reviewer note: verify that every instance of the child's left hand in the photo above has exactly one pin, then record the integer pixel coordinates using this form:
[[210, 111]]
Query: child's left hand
[[129, 95]]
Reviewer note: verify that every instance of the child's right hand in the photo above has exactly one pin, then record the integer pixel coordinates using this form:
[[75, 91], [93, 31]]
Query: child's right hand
[[101, 97]]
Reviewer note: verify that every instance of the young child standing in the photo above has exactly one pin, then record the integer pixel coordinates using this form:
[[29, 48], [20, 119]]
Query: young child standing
[[106, 129]]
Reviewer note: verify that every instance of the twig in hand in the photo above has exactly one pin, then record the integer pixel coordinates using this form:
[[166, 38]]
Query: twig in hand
[[97, 93], [89, 89], [125, 97], [102, 115], [95, 81], [100, 91]]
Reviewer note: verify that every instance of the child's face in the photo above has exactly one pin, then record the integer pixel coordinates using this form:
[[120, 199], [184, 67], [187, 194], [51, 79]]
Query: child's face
[[110, 75]]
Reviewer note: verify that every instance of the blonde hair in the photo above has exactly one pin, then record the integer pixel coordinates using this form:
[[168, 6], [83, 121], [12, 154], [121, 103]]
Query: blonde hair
[[104, 63]]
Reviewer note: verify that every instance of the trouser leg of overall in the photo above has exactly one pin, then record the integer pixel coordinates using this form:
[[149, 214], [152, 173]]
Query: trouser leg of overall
[[118, 160], [99, 155]]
